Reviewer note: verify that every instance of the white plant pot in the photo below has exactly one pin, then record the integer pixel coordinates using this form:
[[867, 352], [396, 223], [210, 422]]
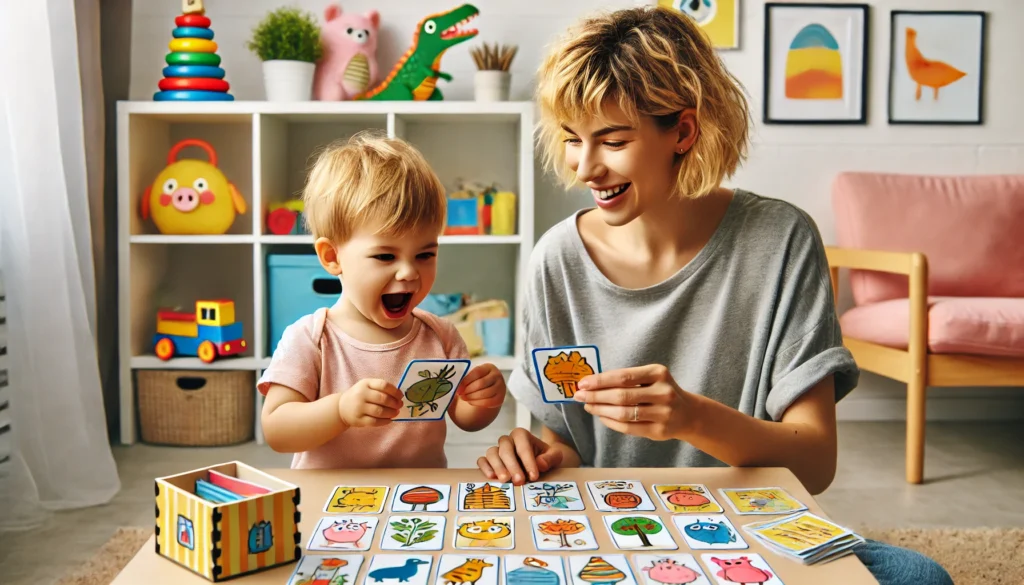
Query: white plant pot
[[288, 81], [492, 86]]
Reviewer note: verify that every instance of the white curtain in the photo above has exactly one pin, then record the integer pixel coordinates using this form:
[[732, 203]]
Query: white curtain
[[48, 173]]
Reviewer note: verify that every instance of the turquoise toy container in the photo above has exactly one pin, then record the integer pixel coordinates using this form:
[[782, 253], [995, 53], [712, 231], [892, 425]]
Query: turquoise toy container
[[297, 285]]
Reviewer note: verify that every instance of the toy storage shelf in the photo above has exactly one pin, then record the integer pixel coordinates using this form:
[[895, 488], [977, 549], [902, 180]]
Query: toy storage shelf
[[265, 149]]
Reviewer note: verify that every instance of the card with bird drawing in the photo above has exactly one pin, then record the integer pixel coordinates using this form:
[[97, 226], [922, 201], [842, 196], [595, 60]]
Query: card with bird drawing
[[620, 495], [562, 533], [428, 387], [392, 569], [479, 532], [694, 498], [421, 498], [715, 532], [745, 568], [468, 570], [670, 569], [553, 496], [534, 570], [639, 531], [486, 497], [326, 569], [419, 532], [600, 569], [559, 370], [343, 533], [357, 499], [762, 500]]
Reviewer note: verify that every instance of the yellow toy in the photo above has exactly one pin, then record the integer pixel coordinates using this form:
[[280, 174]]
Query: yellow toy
[[192, 196]]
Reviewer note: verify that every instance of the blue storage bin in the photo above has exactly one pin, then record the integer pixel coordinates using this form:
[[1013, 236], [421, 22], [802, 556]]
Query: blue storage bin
[[297, 285]]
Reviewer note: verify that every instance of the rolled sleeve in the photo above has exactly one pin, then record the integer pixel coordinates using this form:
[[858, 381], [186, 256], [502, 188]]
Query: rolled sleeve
[[296, 362]]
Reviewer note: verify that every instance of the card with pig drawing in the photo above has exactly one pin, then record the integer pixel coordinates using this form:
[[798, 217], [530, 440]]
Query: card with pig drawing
[[343, 533], [419, 532], [639, 531], [620, 496], [670, 569], [357, 499], [562, 533], [534, 570], [326, 569], [398, 568], [559, 370], [428, 387], [468, 570], [421, 498], [486, 497], [730, 569], [600, 569], [554, 496], [694, 498], [709, 532], [477, 532]]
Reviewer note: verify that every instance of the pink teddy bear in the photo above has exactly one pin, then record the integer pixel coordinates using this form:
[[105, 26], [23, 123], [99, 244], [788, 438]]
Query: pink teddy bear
[[349, 63]]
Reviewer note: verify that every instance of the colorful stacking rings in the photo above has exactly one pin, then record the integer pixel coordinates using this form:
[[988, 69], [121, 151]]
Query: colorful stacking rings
[[193, 71], [192, 95], [211, 59], [192, 32], [192, 20], [200, 83], [192, 46]]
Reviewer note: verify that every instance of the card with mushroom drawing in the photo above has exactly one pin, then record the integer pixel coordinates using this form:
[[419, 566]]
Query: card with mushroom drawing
[[713, 532], [468, 570], [620, 495], [343, 533], [421, 498], [326, 569], [694, 498], [639, 531], [562, 533], [553, 496], [600, 569], [670, 569], [481, 532], [730, 569], [534, 570], [357, 499], [486, 497], [419, 532], [391, 569], [428, 387], [559, 370]]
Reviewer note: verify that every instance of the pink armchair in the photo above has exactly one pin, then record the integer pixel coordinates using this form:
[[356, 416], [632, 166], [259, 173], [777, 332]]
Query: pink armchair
[[937, 275]]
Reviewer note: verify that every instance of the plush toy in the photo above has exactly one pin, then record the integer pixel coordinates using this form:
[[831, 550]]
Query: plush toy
[[349, 63]]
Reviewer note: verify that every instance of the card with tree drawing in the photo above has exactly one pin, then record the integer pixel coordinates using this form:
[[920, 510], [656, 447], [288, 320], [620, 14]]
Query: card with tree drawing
[[562, 533]]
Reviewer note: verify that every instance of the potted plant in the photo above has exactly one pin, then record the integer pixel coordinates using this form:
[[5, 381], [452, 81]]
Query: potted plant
[[493, 78], [287, 40]]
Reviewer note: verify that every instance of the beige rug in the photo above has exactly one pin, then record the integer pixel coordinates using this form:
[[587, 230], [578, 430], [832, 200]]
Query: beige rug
[[972, 556]]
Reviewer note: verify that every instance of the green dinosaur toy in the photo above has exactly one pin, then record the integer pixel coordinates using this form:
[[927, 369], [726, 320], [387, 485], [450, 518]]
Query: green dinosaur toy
[[415, 75]]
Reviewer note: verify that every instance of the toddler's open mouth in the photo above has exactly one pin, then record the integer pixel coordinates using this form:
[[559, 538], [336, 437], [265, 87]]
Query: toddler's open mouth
[[396, 305]]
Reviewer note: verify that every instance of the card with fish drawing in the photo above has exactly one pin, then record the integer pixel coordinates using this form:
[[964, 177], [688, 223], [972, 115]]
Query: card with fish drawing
[[326, 569], [468, 570], [478, 532], [670, 569], [715, 532], [419, 532], [486, 497], [745, 568], [694, 498], [639, 531], [562, 533], [623, 495], [763, 500], [553, 496], [392, 569], [534, 570], [559, 370], [413, 497], [600, 569], [428, 387], [357, 499], [343, 533]]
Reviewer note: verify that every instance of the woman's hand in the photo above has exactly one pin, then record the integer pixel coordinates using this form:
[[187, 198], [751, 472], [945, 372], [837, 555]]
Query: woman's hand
[[643, 401], [518, 451]]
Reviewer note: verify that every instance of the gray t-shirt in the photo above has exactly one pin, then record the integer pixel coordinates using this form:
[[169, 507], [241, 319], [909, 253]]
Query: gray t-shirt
[[749, 322]]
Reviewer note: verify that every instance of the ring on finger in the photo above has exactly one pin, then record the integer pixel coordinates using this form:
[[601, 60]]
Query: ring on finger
[[636, 413]]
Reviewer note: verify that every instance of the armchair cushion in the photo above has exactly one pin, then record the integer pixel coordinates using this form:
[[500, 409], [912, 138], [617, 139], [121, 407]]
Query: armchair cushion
[[979, 326]]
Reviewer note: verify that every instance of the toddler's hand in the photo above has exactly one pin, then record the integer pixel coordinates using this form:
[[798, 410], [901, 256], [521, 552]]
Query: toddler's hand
[[483, 387], [369, 403]]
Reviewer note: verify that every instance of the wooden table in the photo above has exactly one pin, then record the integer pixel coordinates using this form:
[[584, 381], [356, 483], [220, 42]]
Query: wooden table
[[316, 486]]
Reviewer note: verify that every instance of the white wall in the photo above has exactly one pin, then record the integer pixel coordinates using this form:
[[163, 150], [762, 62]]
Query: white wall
[[790, 162]]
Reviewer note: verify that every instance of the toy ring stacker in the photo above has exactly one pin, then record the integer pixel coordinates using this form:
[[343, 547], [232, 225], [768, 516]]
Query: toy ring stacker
[[192, 32], [193, 71], [197, 20], [208, 59], [192, 46], [195, 83]]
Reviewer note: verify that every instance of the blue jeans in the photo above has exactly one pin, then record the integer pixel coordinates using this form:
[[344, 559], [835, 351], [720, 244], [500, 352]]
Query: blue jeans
[[892, 565]]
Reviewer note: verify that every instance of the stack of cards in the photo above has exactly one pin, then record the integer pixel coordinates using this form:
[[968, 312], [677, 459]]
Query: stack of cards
[[805, 537]]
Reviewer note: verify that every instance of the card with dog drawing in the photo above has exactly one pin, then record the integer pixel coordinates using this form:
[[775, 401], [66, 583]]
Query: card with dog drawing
[[397, 568]]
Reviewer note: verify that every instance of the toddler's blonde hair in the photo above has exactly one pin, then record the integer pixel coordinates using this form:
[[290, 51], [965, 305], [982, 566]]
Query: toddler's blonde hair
[[651, 61], [372, 179]]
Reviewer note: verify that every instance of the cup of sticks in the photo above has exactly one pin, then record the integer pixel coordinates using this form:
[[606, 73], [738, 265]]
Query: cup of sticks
[[493, 78]]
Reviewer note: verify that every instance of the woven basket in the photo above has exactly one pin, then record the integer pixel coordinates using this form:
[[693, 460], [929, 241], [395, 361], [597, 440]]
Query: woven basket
[[196, 408]]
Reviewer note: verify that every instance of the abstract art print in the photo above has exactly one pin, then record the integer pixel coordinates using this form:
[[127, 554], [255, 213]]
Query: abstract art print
[[720, 19], [815, 63], [936, 67]]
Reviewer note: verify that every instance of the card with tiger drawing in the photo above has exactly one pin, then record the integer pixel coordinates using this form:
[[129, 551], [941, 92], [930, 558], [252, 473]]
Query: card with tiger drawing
[[468, 570]]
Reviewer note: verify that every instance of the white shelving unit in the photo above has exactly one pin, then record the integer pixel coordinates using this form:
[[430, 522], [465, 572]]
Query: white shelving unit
[[265, 149]]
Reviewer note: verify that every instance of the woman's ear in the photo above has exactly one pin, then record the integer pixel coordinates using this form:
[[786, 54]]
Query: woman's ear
[[686, 130], [328, 255]]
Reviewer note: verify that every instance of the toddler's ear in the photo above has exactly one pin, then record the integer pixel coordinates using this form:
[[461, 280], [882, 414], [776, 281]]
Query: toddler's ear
[[328, 255]]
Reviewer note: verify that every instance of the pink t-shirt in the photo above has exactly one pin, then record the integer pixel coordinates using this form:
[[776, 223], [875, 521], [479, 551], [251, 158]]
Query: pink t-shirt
[[316, 358]]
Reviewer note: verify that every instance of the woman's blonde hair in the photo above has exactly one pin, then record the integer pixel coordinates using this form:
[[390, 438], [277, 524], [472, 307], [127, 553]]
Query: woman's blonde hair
[[651, 61], [372, 179]]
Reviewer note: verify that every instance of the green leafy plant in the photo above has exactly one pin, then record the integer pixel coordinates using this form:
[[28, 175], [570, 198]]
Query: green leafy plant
[[287, 34], [413, 532]]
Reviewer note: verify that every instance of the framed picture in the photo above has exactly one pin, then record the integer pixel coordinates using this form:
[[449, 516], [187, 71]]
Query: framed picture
[[720, 19], [815, 63], [936, 67]]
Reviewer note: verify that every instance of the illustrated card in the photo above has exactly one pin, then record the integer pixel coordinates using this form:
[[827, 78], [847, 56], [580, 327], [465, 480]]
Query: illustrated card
[[358, 499], [670, 569], [419, 532], [478, 532], [421, 498], [534, 570], [801, 534], [709, 532], [428, 387], [766, 500], [604, 569], [392, 569], [468, 570], [730, 569], [544, 496], [562, 533], [620, 496], [326, 569], [694, 498], [559, 370], [335, 533], [639, 531], [486, 497]]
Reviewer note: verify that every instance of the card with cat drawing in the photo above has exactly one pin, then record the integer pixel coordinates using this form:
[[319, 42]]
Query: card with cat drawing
[[480, 532], [468, 570], [343, 533], [357, 499]]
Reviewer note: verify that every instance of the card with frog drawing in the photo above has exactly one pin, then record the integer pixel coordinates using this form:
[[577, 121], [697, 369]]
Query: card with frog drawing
[[486, 497], [391, 569], [483, 532], [343, 533], [534, 570], [357, 499], [419, 532], [670, 569], [559, 532], [694, 498], [421, 498], [553, 496], [428, 387], [620, 495], [601, 569], [468, 570], [326, 569]]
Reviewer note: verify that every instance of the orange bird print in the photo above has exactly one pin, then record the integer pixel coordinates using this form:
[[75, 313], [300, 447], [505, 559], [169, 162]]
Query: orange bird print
[[927, 72]]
